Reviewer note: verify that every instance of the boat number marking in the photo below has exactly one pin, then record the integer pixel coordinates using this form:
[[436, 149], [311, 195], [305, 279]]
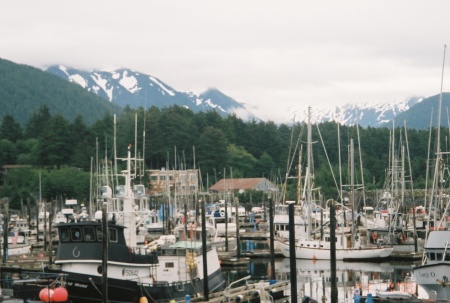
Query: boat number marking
[[76, 252], [426, 275], [130, 272]]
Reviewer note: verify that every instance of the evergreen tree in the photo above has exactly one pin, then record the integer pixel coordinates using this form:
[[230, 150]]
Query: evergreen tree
[[10, 129], [37, 123], [8, 152], [55, 148], [212, 151]]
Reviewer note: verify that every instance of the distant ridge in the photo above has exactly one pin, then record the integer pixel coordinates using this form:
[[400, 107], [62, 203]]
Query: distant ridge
[[24, 89], [126, 87], [135, 89], [92, 94]]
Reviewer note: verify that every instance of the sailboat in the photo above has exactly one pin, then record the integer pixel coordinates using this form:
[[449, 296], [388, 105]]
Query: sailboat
[[348, 246], [390, 224], [433, 274]]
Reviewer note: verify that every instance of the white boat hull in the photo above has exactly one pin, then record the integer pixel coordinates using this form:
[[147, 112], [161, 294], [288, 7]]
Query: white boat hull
[[434, 278], [321, 251], [393, 295]]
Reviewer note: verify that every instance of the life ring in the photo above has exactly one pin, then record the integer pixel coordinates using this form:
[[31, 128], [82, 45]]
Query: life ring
[[222, 214]]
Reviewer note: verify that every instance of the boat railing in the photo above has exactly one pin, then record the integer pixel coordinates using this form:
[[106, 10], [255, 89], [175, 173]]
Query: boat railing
[[145, 251], [179, 251]]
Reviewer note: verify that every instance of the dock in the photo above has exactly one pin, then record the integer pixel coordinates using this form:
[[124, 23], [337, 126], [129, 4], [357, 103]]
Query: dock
[[252, 292]]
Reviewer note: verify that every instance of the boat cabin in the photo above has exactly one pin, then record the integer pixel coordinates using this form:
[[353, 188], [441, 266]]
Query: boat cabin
[[84, 241]]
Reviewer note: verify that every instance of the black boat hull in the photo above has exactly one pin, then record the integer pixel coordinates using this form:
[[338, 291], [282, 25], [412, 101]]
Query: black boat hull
[[87, 289]]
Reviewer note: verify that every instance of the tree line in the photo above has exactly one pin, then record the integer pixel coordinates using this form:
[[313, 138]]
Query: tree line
[[50, 157]]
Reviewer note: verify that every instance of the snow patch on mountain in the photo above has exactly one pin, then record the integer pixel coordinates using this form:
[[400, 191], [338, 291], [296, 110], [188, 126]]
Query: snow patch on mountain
[[130, 83], [365, 114], [79, 80], [165, 89]]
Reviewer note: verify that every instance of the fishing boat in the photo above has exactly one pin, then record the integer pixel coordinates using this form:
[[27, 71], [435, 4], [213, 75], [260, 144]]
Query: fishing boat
[[317, 249], [312, 245], [134, 270], [168, 272], [434, 273]]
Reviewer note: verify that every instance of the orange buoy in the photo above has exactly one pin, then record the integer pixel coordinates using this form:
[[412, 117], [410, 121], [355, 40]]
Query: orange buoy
[[60, 294], [143, 300], [46, 295]]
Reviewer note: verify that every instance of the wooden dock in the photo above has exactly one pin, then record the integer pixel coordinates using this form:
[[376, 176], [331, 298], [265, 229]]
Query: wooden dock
[[252, 292]]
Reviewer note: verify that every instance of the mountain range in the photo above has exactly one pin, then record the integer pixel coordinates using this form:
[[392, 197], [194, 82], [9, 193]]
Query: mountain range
[[23, 89], [128, 87]]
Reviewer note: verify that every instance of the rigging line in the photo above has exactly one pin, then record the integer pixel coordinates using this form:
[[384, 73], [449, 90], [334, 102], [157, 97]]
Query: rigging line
[[409, 161], [291, 163], [361, 166], [328, 159], [428, 162]]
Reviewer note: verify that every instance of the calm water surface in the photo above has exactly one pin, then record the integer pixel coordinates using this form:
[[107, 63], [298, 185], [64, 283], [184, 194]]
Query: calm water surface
[[313, 277]]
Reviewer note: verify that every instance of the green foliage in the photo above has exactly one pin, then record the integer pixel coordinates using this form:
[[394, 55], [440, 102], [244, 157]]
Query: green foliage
[[24, 89], [8, 152], [176, 137], [242, 162], [10, 129]]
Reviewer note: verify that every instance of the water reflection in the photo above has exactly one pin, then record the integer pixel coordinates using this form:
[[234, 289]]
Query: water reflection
[[313, 277]]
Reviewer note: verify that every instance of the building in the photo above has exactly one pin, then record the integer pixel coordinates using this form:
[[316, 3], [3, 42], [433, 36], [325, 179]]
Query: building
[[179, 182], [227, 185]]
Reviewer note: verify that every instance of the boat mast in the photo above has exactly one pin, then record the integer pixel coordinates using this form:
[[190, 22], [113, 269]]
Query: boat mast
[[308, 181]]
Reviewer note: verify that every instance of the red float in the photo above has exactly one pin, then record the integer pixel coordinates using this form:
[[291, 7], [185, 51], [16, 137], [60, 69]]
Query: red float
[[46, 295], [60, 295]]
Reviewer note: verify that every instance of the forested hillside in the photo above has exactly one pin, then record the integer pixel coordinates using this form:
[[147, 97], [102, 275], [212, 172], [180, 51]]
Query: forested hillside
[[63, 151], [24, 89]]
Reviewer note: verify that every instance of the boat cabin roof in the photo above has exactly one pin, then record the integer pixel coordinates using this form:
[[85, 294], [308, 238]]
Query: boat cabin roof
[[438, 239]]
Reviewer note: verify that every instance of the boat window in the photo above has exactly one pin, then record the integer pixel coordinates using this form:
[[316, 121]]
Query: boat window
[[438, 256], [170, 265], [447, 257], [64, 234], [112, 234], [89, 233], [75, 233], [99, 234]]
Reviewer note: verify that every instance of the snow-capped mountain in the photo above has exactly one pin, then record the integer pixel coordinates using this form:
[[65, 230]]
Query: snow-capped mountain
[[127, 87], [366, 114]]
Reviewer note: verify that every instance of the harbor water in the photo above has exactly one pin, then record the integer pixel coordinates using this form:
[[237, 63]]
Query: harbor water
[[313, 276]]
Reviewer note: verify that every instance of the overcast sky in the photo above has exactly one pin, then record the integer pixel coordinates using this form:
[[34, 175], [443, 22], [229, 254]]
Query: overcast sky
[[277, 57]]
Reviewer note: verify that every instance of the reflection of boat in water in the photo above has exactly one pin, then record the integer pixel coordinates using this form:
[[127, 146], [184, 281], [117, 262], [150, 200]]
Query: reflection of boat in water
[[307, 266], [314, 277]]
